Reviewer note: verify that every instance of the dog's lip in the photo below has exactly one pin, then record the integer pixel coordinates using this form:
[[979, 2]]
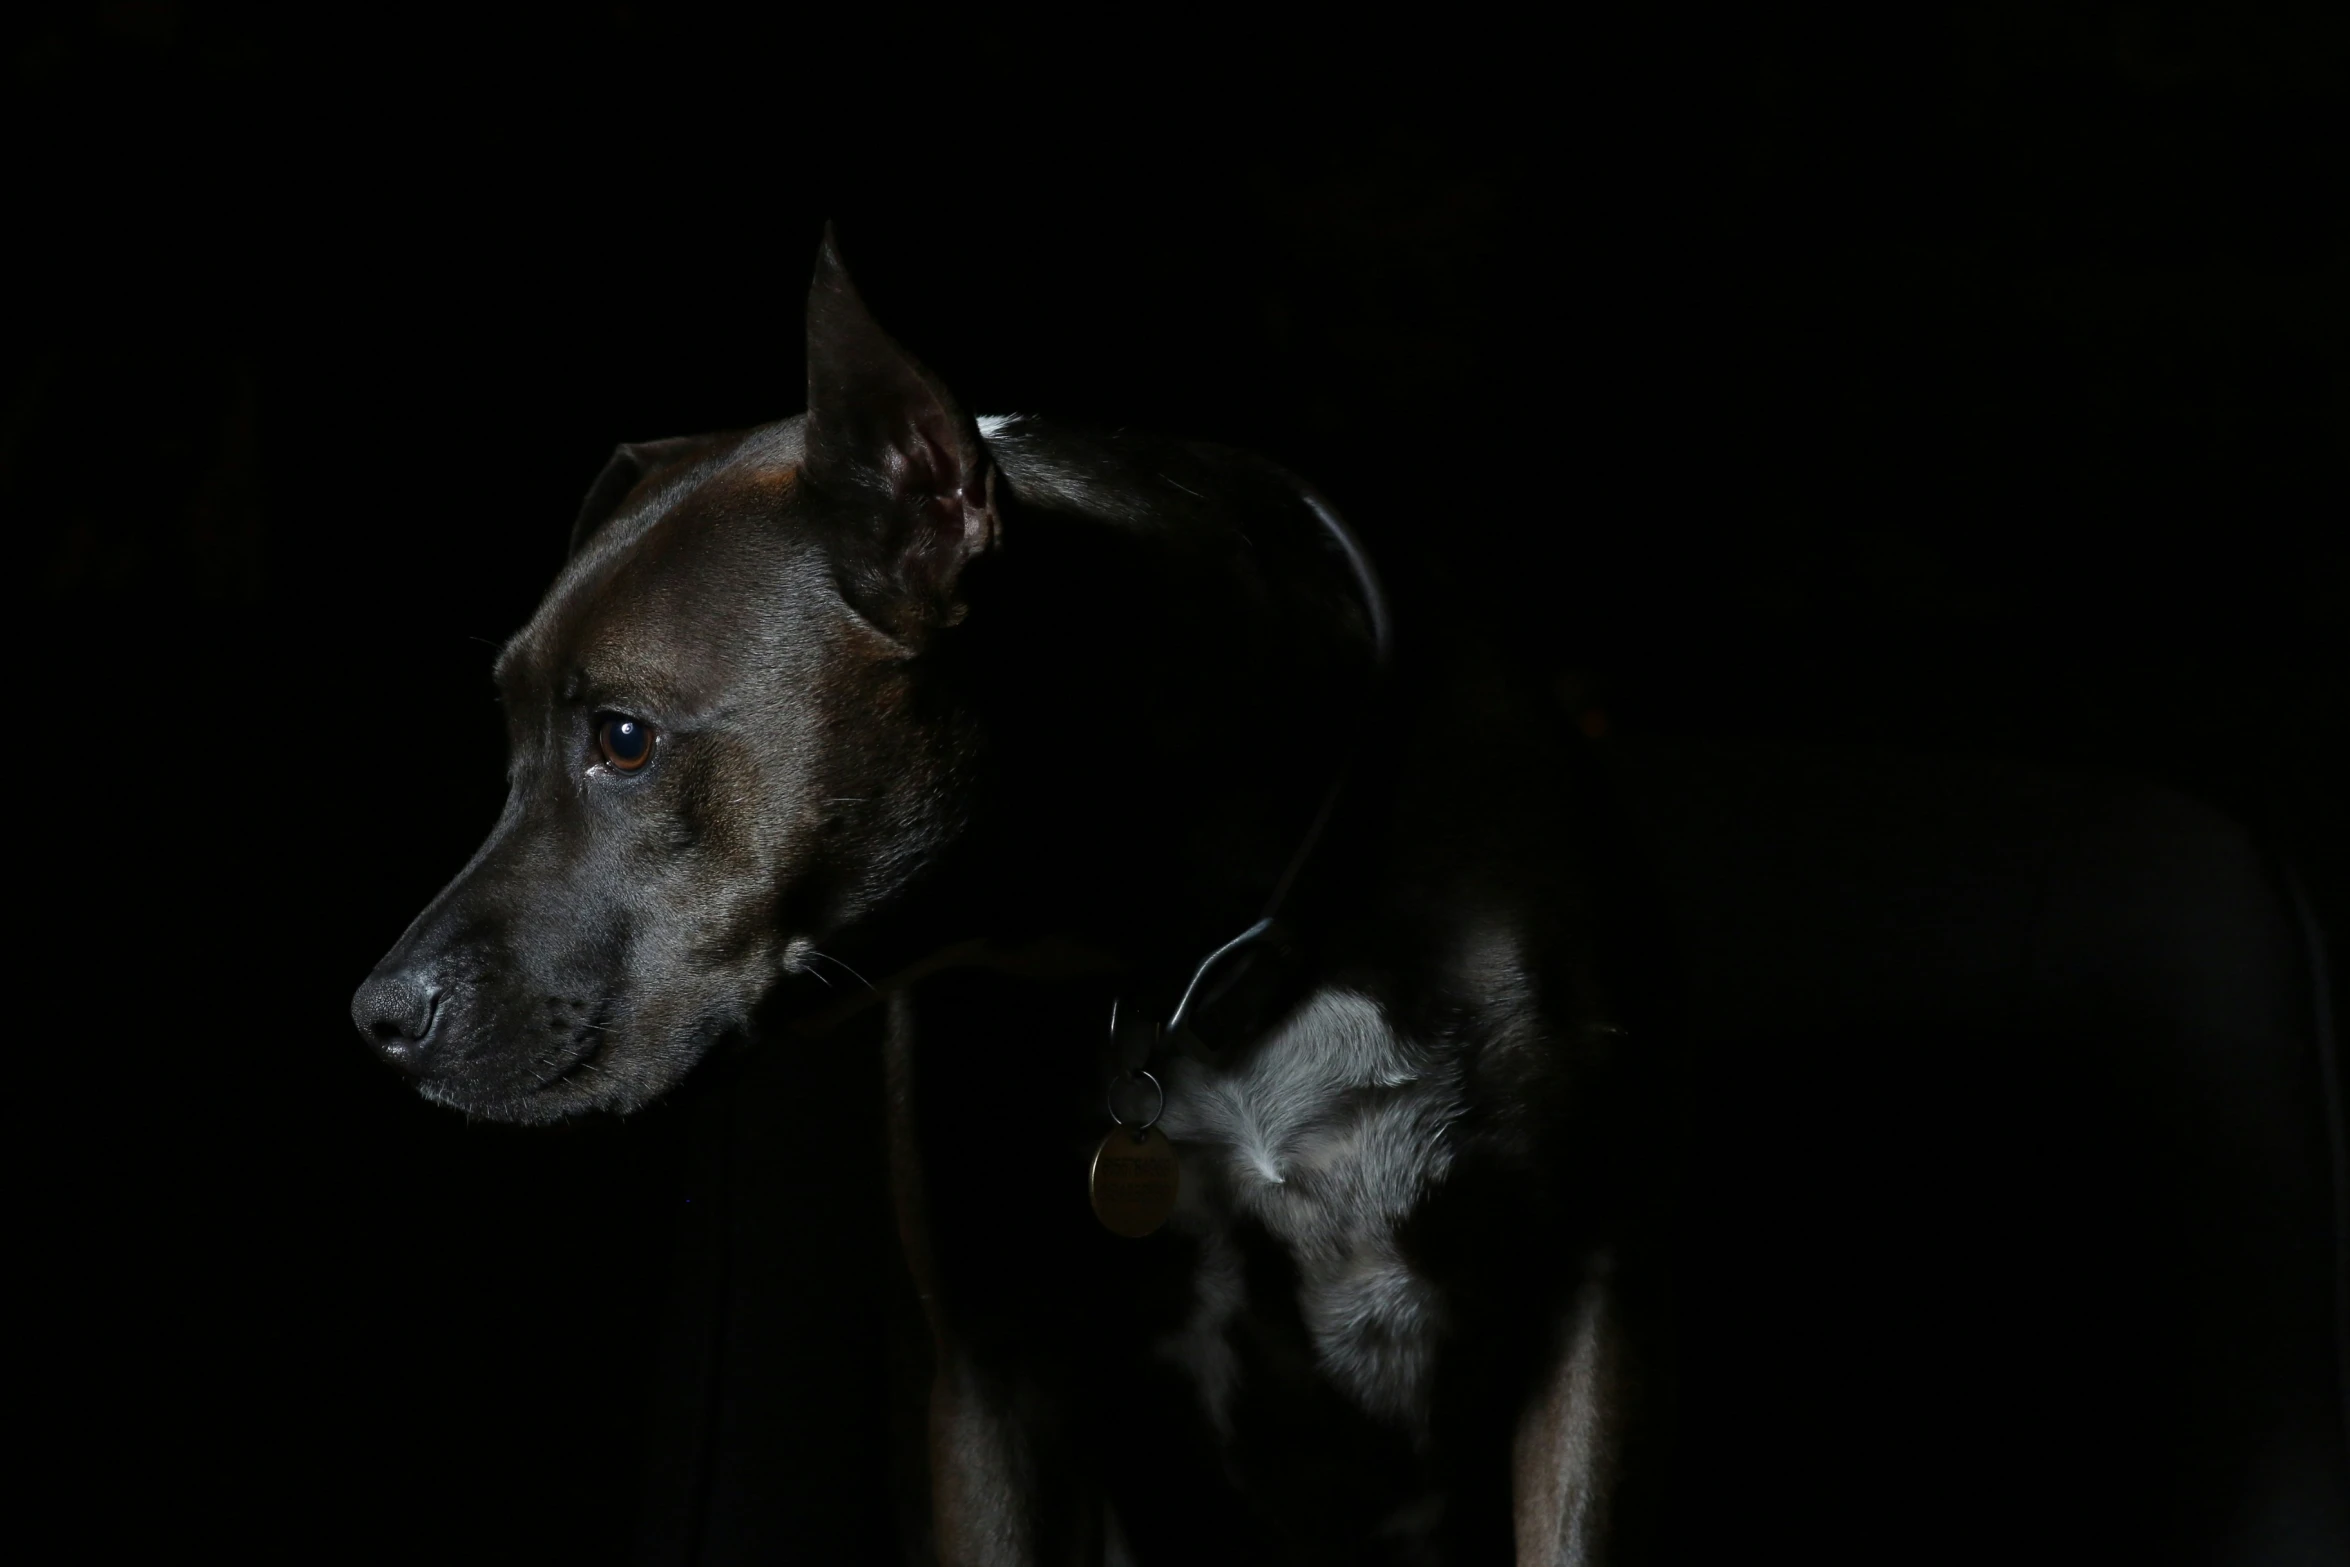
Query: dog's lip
[[565, 1073], [582, 1056]]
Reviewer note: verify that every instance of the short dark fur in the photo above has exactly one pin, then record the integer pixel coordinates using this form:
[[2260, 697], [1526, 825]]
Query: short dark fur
[[1064, 705]]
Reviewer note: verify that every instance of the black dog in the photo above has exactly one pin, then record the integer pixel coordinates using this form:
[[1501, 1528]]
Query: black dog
[[1042, 724]]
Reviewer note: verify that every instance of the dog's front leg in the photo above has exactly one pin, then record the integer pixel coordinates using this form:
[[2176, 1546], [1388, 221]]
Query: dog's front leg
[[1005, 1487], [1566, 1455], [999, 1486]]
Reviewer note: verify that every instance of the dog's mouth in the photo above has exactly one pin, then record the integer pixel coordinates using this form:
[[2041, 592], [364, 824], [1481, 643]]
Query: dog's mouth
[[569, 1066], [586, 1045], [556, 1073], [556, 1085], [572, 1057]]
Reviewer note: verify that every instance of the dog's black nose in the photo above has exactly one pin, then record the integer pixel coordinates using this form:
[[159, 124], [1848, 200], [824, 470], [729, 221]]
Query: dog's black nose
[[396, 1012]]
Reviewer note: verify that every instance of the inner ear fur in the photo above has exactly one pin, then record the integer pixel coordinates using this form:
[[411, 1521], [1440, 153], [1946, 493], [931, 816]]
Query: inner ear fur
[[886, 433]]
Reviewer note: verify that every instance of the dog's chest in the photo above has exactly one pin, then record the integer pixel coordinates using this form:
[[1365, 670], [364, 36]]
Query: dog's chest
[[1326, 1137]]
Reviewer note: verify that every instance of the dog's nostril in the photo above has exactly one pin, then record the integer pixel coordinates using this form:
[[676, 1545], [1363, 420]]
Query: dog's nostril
[[391, 1036], [396, 1013]]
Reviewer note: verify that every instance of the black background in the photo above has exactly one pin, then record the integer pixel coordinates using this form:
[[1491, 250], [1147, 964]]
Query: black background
[[1970, 379]]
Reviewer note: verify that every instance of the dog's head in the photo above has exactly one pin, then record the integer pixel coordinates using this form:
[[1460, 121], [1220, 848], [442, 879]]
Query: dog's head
[[725, 742]]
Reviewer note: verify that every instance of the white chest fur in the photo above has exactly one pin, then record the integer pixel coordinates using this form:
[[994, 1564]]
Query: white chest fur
[[1328, 1134]]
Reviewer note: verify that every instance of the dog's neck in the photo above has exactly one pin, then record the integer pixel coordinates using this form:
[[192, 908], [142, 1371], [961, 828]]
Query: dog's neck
[[1215, 670], [1187, 681]]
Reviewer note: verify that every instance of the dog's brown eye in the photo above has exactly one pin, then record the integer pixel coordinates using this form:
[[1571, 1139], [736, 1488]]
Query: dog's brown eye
[[627, 743]]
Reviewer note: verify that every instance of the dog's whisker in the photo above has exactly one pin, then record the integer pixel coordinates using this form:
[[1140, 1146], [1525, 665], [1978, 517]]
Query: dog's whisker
[[843, 967]]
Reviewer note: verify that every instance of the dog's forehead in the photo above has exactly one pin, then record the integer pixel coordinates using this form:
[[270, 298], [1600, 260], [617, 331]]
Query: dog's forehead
[[666, 606]]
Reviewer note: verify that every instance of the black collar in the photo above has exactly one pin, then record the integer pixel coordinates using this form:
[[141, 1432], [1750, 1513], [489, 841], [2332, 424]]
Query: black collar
[[1238, 985]]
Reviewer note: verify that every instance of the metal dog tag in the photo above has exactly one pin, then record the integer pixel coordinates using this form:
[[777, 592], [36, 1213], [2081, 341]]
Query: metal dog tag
[[1134, 1181]]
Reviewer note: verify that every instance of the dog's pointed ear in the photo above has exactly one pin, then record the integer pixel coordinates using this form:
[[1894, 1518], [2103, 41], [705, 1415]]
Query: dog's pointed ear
[[882, 427], [623, 472]]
